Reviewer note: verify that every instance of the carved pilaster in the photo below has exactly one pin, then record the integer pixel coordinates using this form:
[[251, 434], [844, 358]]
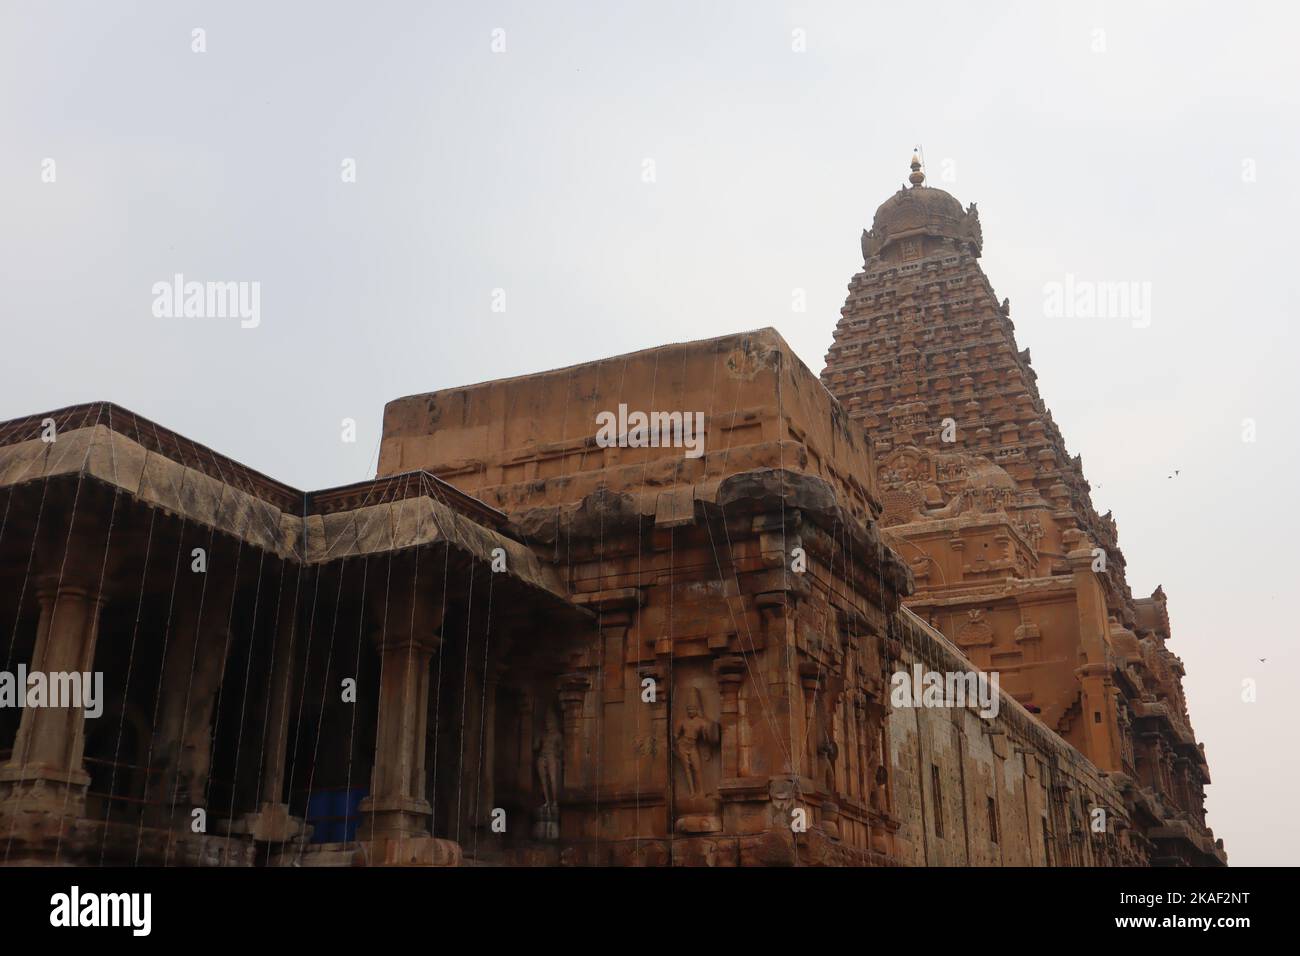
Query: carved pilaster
[[573, 694], [730, 674], [805, 753], [654, 747]]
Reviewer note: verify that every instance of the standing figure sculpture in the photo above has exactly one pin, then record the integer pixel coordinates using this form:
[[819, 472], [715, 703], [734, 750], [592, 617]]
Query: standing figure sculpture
[[826, 748], [693, 736], [550, 750]]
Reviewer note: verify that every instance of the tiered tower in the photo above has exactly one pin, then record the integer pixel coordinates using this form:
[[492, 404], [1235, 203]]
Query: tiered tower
[[980, 496]]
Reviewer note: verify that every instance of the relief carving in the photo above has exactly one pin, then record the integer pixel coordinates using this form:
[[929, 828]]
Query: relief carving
[[549, 762], [694, 737], [976, 632], [549, 759]]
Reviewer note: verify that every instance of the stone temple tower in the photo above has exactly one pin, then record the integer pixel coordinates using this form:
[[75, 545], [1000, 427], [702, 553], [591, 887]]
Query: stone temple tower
[[1012, 562]]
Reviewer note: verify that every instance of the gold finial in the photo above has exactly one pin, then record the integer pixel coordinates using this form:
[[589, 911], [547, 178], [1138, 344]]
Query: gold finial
[[917, 176]]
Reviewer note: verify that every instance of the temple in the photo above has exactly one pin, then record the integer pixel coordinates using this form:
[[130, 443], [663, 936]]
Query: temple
[[536, 639], [981, 499]]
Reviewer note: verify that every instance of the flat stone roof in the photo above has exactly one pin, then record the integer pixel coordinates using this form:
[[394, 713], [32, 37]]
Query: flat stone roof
[[166, 470]]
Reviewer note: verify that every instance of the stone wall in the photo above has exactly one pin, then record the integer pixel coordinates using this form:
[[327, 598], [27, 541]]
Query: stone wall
[[1043, 791]]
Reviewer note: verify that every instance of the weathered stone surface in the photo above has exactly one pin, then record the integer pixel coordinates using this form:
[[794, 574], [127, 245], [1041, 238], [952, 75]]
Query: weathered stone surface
[[116, 459], [23, 461]]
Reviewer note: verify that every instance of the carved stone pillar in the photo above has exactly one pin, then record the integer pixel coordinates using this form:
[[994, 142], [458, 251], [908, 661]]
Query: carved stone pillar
[[277, 717], [45, 769], [273, 823], [193, 667], [806, 750], [396, 806]]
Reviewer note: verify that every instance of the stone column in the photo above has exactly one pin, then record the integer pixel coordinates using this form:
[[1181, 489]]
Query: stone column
[[487, 769], [277, 717], [19, 758], [397, 806], [45, 768], [272, 823], [193, 668]]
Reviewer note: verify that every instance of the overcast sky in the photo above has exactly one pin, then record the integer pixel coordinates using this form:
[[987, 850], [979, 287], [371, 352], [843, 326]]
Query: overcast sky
[[1108, 141]]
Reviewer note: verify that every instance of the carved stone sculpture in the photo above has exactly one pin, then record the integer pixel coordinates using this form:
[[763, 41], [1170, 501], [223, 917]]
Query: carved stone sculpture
[[549, 762], [549, 759], [694, 736]]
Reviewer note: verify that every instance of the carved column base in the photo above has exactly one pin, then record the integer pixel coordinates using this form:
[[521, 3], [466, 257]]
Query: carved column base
[[272, 823], [24, 788], [408, 851], [394, 818], [831, 819], [884, 835], [698, 814], [547, 826], [699, 823]]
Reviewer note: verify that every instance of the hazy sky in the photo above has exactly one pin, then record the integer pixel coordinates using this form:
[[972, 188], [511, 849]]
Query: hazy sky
[[1108, 141]]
